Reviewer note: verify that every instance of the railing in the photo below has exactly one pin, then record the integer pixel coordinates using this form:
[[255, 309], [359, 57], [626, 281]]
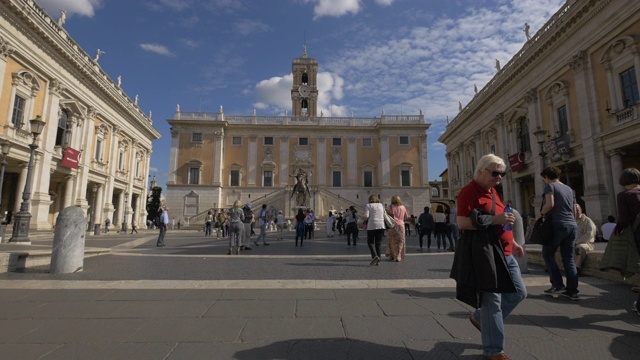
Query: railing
[[299, 120], [339, 200], [195, 219], [624, 115]]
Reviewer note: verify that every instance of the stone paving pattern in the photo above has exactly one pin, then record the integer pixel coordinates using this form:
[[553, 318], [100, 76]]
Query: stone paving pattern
[[144, 302]]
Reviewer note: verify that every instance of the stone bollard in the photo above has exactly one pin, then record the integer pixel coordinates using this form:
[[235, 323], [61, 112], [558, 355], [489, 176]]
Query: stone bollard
[[67, 255]]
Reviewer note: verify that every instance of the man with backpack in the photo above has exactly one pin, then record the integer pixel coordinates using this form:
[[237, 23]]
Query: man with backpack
[[426, 225]]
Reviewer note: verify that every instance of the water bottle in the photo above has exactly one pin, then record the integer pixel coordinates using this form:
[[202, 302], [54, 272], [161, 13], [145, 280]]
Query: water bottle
[[508, 209]]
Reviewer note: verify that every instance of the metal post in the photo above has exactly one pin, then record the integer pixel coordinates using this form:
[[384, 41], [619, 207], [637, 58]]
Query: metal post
[[124, 214], [5, 151], [23, 217]]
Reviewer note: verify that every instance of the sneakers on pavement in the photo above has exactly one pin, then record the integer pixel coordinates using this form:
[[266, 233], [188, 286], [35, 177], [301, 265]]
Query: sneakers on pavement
[[553, 290], [570, 295], [475, 322], [501, 356], [375, 261]]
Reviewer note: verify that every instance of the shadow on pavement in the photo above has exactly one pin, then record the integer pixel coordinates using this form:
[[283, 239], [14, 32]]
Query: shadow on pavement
[[357, 349]]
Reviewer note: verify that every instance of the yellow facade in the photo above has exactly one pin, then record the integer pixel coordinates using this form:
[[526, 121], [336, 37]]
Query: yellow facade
[[255, 158], [582, 66], [86, 112]]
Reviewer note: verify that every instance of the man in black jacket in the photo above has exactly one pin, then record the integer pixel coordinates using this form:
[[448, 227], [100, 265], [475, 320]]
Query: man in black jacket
[[426, 225]]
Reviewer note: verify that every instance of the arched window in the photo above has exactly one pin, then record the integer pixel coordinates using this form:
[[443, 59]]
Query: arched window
[[305, 78]]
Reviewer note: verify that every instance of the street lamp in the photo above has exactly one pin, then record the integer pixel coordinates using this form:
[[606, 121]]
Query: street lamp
[[23, 217], [541, 135], [565, 160], [5, 147], [124, 214], [93, 224]]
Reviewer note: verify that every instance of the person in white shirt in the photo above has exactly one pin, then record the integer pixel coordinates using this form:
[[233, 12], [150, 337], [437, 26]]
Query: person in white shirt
[[585, 236], [374, 216], [330, 221], [607, 228], [280, 224]]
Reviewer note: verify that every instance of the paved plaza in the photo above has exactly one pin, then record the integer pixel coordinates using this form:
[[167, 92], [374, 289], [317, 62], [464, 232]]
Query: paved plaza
[[189, 300]]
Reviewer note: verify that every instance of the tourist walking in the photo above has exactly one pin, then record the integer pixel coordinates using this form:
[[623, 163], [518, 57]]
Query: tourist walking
[[484, 256], [300, 226], [330, 224], [246, 223], [280, 225], [262, 217], [208, 224], [163, 224], [559, 203], [396, 245], [426, 225], [134, 226], [236, 216], [351, 220], [440, 220], [374, 216]]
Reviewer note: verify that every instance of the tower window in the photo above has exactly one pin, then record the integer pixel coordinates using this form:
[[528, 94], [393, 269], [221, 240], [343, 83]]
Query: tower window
[[305, 78], [404, 140], [268, 140], [303, 141], [336, 141], [236, 140], [366, 142]]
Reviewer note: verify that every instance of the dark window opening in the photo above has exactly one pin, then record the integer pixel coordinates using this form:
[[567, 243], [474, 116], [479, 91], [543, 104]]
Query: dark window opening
[[629, 87]]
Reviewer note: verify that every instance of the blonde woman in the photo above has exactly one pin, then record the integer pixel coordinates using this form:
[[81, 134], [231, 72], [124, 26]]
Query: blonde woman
[[396, 246], [236, 216]]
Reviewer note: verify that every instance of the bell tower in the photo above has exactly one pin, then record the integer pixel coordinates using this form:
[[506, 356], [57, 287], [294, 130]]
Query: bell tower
[[304, 93]]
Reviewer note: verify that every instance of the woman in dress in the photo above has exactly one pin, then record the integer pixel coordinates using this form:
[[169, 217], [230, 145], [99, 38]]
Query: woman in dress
[[300, 226], [629, 209], [374, 216], [330, 222], [236, 216], [396, 246]]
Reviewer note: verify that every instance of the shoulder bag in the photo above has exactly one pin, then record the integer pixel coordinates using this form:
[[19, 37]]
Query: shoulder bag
[[389, 223]]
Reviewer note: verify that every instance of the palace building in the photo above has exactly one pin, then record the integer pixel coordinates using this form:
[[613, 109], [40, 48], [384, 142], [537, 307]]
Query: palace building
[[95, 147], [218, 158], [568, 98]]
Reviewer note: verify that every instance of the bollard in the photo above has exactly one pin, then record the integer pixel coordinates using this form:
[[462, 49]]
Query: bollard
[[67, 255]]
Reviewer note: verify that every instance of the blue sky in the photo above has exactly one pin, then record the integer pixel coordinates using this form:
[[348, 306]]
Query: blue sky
[[396, 55]]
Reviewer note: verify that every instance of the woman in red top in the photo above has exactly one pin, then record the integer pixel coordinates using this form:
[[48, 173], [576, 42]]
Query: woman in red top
[[479, 194]]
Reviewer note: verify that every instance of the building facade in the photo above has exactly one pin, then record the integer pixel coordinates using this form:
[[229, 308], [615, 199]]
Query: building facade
[[95, 149], [569, 98], [218, 158]]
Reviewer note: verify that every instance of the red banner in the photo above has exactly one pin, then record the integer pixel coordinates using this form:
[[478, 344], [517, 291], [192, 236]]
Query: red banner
[[70, 158], [516, 162]]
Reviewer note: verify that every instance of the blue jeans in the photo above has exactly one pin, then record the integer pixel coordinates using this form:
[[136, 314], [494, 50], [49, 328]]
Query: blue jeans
[[564, 237], [496, 307], [454, 233], [263, 234]]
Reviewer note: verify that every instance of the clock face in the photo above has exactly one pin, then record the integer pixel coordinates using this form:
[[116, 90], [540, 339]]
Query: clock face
[[304, 90]]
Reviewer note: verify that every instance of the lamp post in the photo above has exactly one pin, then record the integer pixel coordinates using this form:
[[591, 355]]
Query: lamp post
[[5, 147], [124, 214], [23, 217], [541, 135], [92, 224], [565, 160]]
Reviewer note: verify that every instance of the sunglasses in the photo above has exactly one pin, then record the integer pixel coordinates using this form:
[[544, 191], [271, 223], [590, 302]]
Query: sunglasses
[[496, 173]]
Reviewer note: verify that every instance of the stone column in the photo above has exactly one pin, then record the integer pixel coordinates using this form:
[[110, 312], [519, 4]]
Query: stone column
[[352, 163], [109, 208], [173, 157], [121, 209], [252, 156], [320, 176], [100, 202], [68, 191], [218, 161], [384, 161], [517, 198], [424, 162], [22, 181], [284, 161], [616, 169]]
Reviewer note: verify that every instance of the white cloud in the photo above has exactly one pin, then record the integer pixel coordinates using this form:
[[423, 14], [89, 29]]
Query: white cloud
[[336, 8], [384, 2], [247, 27], [156, 48], [190, 43], [71, 7], [274, 94]]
